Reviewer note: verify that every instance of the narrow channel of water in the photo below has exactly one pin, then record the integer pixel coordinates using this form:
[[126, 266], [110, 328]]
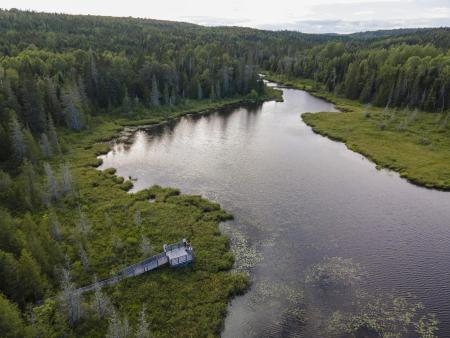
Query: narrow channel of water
[[298, 197]]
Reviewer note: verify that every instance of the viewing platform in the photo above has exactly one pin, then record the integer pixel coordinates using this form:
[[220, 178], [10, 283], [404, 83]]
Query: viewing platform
[[176, 255]]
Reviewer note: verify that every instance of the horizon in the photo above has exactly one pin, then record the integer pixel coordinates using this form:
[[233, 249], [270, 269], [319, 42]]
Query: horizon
[[318, 17]]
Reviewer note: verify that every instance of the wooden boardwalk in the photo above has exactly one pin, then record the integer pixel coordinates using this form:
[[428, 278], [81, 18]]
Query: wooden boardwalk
[[174, 254]]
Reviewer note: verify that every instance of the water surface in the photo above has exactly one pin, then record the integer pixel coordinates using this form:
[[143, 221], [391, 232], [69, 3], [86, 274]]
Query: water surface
[[297, 197]]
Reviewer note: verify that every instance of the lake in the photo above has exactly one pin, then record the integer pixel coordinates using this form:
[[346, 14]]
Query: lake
[[298, 198]]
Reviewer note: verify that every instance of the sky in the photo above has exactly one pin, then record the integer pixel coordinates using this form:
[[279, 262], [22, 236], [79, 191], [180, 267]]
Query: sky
[[310, 16]]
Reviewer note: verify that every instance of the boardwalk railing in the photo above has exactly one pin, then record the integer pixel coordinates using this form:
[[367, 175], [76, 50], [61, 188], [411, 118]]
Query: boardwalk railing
[[130, 271], [147, 264]]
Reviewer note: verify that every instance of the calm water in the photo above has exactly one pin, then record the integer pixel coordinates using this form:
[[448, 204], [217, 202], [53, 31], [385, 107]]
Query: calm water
[[298, 197]]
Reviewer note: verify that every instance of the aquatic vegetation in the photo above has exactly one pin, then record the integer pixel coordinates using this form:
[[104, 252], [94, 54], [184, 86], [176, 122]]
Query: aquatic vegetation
[[247, 255], [266, 290], [334, 272], [383, 315], [361, 312]]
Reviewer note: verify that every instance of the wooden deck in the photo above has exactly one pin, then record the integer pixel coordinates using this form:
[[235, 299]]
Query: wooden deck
[[177, 254]]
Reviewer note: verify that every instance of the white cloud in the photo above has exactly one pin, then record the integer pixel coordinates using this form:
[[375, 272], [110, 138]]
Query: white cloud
[[306, 15]]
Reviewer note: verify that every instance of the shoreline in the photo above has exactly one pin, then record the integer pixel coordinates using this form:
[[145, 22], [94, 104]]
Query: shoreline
[[326, 125], [114, 238]]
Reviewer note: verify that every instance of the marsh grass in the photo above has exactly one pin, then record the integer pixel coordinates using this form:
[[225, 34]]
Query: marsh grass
[[415, 144], [178, 302]]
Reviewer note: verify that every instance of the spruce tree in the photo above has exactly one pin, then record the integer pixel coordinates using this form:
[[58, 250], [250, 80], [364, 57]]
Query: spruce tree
[[17, 141], [154, 98], [45, 146], [53, 136], [143, 330], [71, 299], [52, 186]]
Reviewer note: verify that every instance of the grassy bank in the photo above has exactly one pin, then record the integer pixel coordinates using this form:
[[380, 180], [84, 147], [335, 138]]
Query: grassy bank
[[189, 302], [415, 144]]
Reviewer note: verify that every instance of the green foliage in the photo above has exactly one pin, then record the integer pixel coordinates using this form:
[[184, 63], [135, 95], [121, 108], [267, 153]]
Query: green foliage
[[72, 82], [409, 71], [420, 151], [11, 324]]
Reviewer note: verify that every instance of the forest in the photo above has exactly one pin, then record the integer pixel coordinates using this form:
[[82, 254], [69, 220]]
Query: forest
[[411, 71], [67, 81]]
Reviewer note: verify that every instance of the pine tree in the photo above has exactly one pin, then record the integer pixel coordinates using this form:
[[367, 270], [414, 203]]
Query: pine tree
[[83, 257], [154, 98], [115, 325], [32, 188], [70, 299], [52, 186], [101, 301], [32, 283], [17, 141], [226, 81], [166, 94], [45, 146], [72, 112], [126, 102], [55, 225], [11, 323], [66, 179], [143, 330], [53, 136], [212, 94], [173, 97], [33, 152], [199, 91], [52, 103]]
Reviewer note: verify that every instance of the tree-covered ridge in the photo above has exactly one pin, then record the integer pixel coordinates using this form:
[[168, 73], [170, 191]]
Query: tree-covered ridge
[[411, 71], [66, 79]]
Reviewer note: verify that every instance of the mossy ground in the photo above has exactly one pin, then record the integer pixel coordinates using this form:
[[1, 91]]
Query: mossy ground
[[415, 144], [188, 302]]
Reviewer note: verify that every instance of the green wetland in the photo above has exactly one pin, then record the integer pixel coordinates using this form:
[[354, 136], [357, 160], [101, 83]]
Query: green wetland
[[333, 245]]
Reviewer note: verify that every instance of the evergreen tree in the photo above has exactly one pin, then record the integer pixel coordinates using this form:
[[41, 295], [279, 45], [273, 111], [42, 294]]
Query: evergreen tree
[[143, 330], [11, 323], [17, 139], [199, 91], [83, 257], [101, 301], [66, 179], [115, 325], [55, 225], [53, 136], [45, 146], [155, 93], [32, 190], [52, 186], [32, 283], [71, 299], [33, 152]]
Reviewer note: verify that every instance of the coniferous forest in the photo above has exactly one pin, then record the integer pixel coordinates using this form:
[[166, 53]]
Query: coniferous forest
[[70, 83]]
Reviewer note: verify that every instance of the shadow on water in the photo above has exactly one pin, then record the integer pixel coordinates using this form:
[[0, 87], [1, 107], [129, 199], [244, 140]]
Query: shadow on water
[[297, 199]]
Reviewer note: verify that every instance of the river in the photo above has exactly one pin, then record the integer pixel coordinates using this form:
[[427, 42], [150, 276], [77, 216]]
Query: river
[[297, 198]]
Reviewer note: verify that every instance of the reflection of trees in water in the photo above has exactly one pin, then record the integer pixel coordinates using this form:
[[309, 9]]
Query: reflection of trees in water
[[166, 131], [339, 305]]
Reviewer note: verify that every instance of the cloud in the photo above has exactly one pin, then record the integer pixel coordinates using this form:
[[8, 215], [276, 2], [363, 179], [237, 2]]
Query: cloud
[[313, 16], [344, 27], [212, 20]]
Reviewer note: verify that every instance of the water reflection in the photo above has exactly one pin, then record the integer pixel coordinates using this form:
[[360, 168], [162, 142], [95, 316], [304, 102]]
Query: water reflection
[[297, 198]]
